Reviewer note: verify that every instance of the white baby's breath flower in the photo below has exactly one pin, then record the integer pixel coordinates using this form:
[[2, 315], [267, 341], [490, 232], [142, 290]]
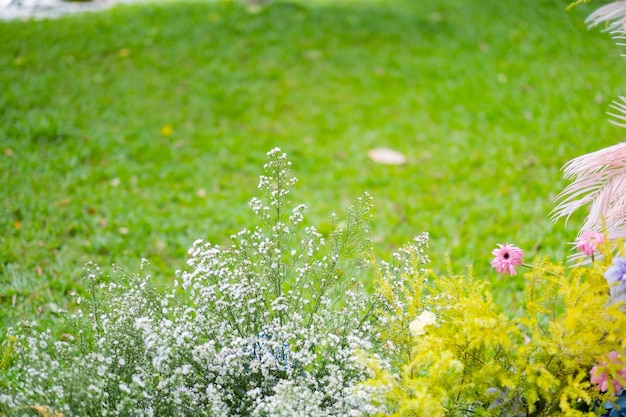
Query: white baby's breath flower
[[269, 325], [418, 326], [138, 381]]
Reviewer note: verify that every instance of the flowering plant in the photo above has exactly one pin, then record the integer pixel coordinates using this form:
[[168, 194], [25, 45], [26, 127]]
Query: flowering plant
[[610, 375], [468, 357], [562, 354], [270, 326], [278, 323], [507, 257]]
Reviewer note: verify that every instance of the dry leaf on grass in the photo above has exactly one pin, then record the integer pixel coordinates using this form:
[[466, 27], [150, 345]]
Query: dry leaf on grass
[[387, 156]]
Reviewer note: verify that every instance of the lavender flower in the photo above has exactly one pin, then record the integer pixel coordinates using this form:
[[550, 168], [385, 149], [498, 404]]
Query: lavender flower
[[616, 278], [617, 272]]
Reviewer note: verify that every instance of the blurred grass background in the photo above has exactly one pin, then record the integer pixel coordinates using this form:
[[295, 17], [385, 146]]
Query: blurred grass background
[[132, 132]]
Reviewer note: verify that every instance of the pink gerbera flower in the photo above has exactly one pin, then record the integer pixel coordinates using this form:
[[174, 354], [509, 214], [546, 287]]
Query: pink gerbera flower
[[588, 242], [507, 257], [602, 374]]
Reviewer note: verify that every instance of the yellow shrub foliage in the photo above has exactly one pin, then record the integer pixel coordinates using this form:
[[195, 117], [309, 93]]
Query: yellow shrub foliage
[[476, 360]]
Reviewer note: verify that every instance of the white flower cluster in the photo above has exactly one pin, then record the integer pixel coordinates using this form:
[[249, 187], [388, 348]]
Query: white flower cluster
[[409, 261], [270, 326]]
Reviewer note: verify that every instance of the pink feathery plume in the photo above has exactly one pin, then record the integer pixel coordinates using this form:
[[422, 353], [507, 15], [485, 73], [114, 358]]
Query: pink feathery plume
[[612, 15], [620, 107], [599, 178], [599, 181]]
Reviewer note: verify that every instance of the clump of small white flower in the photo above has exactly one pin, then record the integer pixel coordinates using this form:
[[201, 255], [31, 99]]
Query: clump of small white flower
[[398, 280], [270, 325]]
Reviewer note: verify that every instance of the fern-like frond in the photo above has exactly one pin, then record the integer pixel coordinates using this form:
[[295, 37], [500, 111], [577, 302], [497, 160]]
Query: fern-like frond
[[620, 117], [611, 15], [599, 180]]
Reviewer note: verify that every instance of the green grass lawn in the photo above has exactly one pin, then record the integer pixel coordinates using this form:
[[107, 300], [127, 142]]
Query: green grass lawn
[[487, 99]]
